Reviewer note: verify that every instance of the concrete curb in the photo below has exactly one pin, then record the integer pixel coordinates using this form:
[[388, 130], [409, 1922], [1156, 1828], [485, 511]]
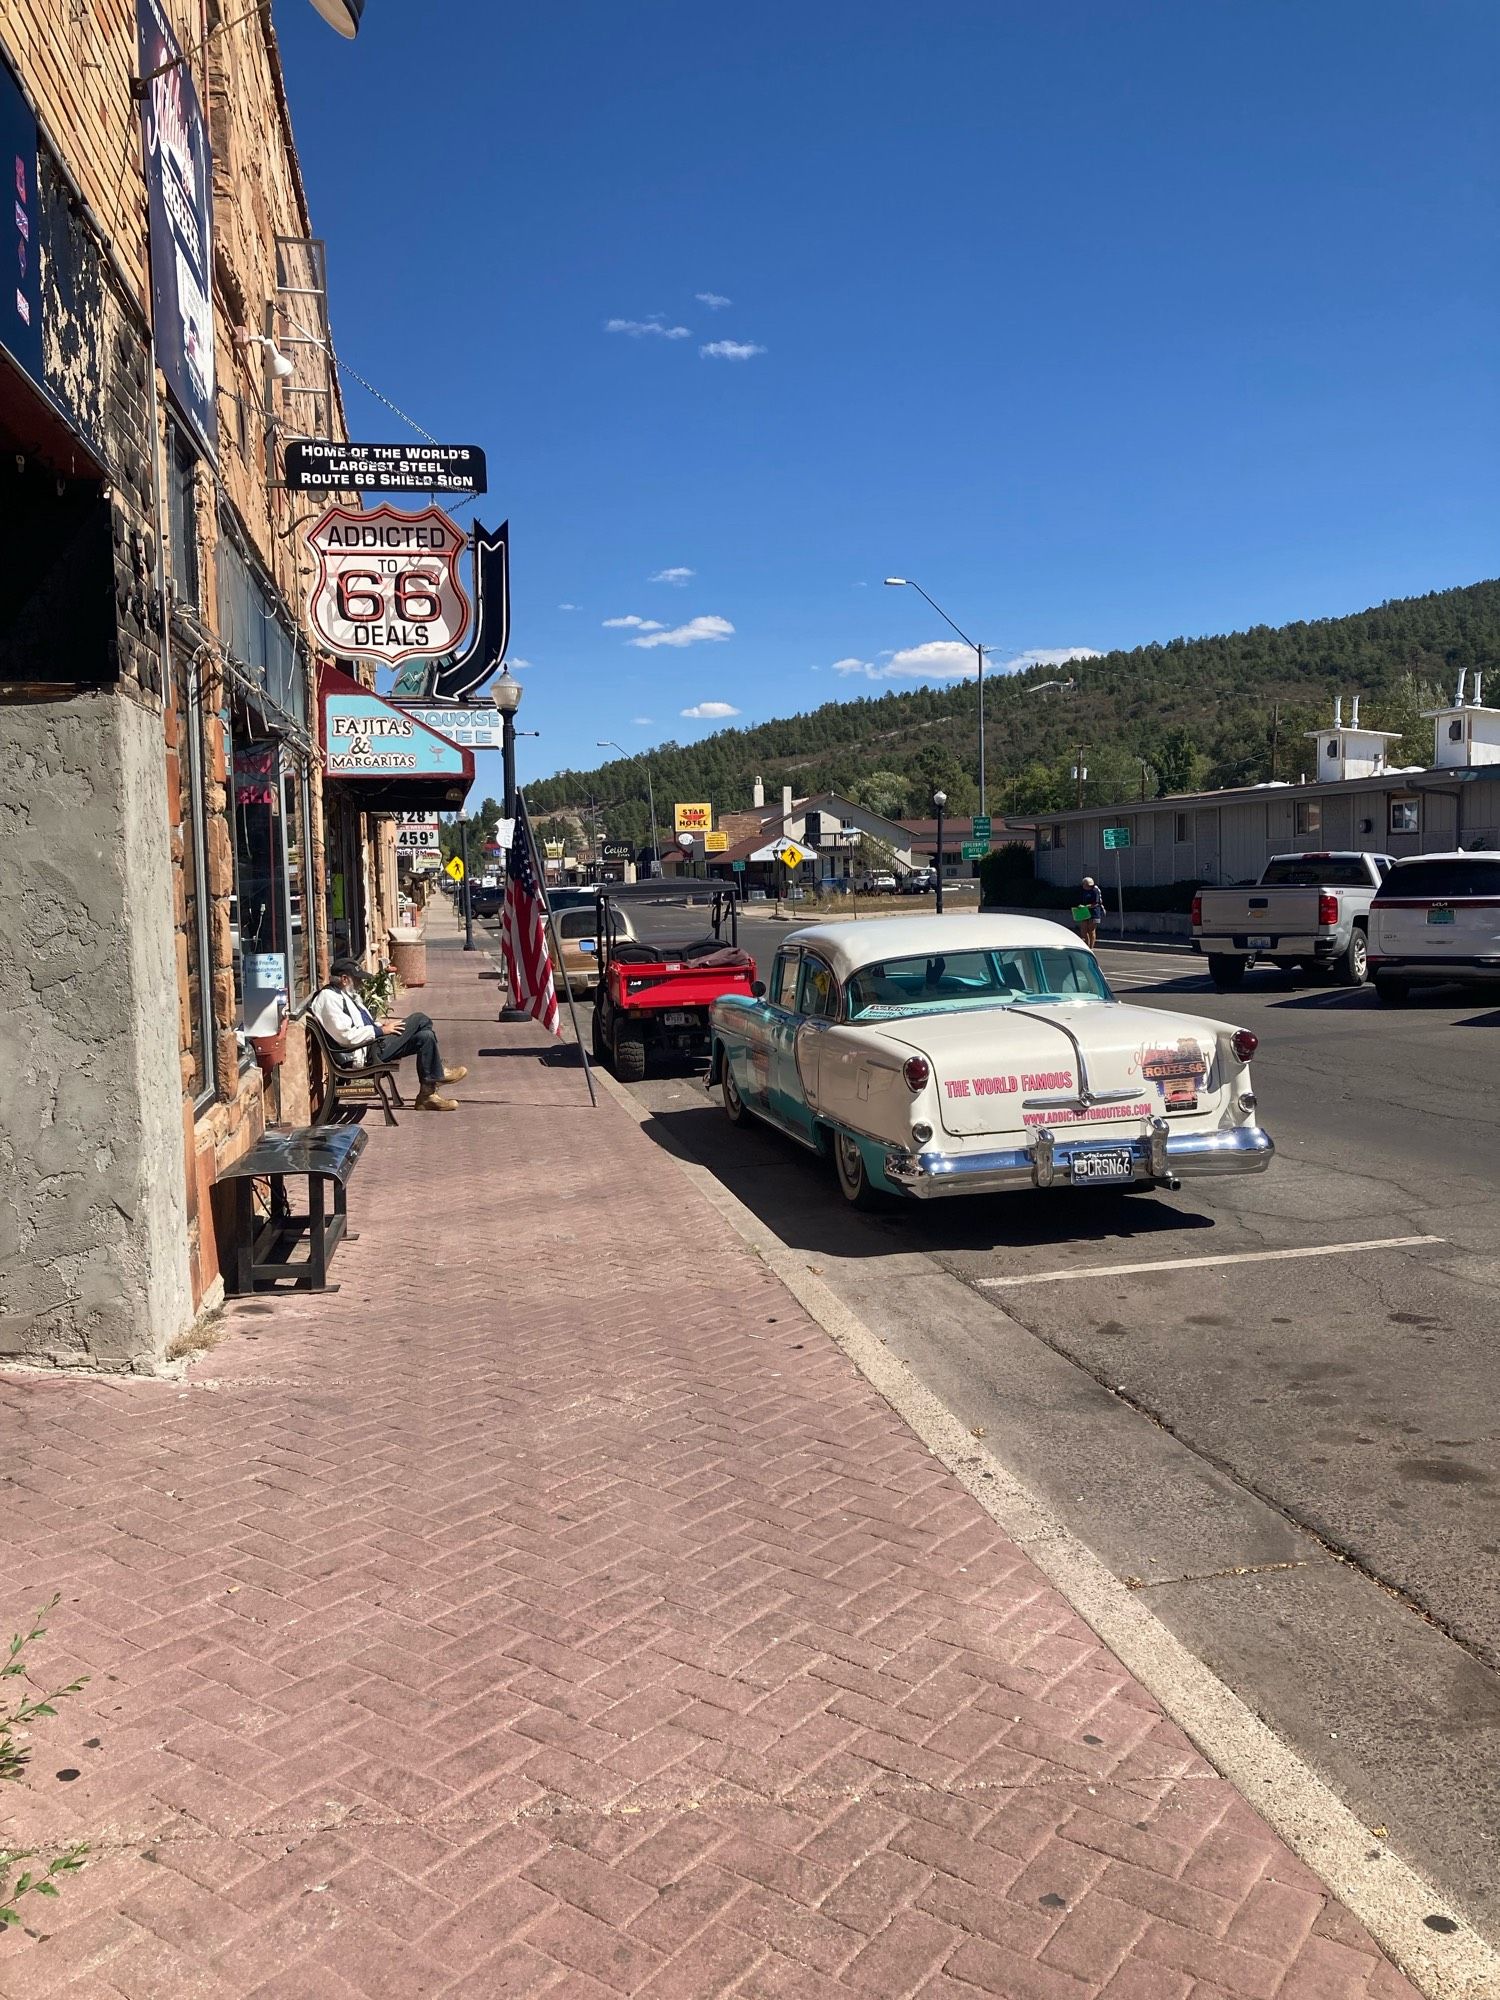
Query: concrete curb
[[1389, 1898]]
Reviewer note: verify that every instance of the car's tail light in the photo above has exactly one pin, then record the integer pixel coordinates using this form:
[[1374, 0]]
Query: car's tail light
[[1244, 1044], [1197, 911], [1328, 909], [916, 1070]]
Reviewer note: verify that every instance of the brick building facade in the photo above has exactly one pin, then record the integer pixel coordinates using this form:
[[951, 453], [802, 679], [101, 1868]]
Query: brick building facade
[[171, 859]]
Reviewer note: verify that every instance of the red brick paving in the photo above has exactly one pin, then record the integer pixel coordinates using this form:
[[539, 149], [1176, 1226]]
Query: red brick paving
[[555, 1611]]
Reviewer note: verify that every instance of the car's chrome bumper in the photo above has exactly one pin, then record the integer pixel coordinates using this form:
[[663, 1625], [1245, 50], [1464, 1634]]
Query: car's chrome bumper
[[1159, 1156]]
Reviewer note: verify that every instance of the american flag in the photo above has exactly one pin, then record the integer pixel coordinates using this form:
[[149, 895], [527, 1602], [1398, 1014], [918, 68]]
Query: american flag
[[528, 970]]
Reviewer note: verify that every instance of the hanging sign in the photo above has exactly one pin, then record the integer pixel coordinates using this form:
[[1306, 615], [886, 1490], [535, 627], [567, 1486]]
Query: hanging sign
[[692, 819], [179, 198], [321, 465], [20, 230], [475, 725], [387, 585]]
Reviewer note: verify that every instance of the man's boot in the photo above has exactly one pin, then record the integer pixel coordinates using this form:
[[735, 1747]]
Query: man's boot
[[456, 1074], [429, 1100]]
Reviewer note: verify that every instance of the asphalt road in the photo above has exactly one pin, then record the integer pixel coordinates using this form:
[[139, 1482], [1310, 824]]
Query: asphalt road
[[1296, 1457]]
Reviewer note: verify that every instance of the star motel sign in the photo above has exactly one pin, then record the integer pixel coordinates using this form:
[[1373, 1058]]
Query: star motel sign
[[386, 584]]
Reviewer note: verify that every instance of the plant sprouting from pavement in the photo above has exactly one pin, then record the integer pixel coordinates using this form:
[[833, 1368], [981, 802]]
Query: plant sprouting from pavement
[[16, 1716]]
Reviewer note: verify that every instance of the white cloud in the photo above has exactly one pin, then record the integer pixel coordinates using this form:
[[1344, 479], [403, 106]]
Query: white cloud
[[638, 329], [730, 350], [518, 666], [686, 635], [567, 607], [640, 624], [710, 711], [950, 660], [678, 575], [642, 722], [715, 301]]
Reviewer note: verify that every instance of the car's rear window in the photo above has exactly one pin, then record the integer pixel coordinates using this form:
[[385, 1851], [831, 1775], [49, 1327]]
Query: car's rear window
[[1460, 876], [1348, 873]]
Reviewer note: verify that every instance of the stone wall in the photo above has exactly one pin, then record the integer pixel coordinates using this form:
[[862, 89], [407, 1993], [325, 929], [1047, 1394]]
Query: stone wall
[[93, 1261]]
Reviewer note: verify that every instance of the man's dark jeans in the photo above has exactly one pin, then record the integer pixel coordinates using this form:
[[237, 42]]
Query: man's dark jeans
[[416, 1038]]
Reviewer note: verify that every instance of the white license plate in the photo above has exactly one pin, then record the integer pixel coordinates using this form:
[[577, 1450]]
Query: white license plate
[[1257, 944], [1116, 1166], [1440, 916], [677, 1019]]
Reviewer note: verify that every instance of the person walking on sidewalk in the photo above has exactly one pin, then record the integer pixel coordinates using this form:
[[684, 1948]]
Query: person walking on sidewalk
[[1091, 900], [350, 1026]]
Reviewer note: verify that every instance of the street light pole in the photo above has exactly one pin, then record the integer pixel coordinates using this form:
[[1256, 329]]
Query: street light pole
[[608, 743], [910, 583], [463, 829], [506, 695], [940, 806]]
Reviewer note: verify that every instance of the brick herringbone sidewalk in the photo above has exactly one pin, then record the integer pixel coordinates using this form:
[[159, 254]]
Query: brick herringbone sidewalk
[[554, 1610]]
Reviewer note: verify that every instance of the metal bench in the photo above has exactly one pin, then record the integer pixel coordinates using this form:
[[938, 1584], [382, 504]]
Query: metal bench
[[263, 1247], [369, 1082]]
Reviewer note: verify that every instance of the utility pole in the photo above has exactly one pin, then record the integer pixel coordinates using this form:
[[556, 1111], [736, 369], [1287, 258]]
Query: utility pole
[[1275, 736], [1079, 775]]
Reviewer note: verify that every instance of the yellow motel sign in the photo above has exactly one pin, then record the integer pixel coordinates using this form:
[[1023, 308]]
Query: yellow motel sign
[[692, 819]]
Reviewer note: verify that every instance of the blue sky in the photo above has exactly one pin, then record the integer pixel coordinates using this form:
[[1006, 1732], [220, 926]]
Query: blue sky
[[1106, 323]]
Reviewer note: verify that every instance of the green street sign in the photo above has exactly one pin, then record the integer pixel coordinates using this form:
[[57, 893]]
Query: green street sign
[[982, 826], [1116, 836], [738, 867], [974, 850]]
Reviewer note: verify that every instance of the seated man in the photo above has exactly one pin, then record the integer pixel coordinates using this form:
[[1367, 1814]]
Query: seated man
[[351, 1027]]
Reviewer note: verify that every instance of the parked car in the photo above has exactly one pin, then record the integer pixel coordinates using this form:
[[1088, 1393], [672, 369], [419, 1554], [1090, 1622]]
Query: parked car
[[1308, 910], [1435, 920], [577, 927], [882, 883], [486, 899], [934, 1056], [919, 882]]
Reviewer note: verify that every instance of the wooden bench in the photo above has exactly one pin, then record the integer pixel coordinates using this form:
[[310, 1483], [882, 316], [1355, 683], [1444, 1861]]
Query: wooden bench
[[263, 1245], [344, 1082]]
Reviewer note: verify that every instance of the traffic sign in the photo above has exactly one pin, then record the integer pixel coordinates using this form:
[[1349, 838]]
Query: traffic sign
[[789, 853], [1116, 836], [974, 850], [455, 868], [738, 867], [982, 826]]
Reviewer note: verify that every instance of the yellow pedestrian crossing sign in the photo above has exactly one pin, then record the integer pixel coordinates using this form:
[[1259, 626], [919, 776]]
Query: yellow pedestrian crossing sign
[[455, 868], [790, 854]]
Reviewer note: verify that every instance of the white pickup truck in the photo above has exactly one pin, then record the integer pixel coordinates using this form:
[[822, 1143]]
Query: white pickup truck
[[1307, 910]]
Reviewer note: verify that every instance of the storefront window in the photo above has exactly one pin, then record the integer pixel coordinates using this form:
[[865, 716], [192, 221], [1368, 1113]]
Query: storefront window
[[296, 817], [182, 517], [261, 909]]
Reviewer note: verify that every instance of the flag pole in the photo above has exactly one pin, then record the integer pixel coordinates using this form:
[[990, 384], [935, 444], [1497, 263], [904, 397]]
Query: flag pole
[[557, 951]]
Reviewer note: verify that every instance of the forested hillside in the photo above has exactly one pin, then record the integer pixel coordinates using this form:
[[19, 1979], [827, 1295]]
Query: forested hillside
[[1163, 718]]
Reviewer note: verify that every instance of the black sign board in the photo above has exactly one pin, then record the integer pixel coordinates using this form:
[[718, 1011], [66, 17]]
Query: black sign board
[[616, 850], [320, 465], [20, 244]]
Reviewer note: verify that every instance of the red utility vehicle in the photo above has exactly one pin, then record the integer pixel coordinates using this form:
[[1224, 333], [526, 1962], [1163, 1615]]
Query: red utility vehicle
[[653, 995]]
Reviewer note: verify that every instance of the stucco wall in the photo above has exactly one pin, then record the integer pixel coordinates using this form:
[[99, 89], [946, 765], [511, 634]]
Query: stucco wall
[[93, 1260]]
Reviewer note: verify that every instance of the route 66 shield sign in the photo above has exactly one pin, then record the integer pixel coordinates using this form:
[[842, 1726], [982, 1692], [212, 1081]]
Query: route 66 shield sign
[[386, 585]]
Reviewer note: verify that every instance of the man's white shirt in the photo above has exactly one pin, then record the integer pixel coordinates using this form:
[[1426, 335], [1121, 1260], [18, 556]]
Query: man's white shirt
[[346, 1023]]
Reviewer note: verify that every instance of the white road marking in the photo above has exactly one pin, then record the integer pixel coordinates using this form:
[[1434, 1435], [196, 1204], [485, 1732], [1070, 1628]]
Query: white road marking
[[1200, 1263]]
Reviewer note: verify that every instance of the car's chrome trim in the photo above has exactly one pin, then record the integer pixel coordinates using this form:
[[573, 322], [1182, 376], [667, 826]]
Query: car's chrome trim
[[1160, 1156]]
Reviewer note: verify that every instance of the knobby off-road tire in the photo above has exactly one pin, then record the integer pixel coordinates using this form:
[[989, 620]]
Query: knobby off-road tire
[[630, 1056]]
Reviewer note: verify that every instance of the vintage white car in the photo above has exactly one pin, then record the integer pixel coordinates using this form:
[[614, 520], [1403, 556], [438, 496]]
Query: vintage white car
[[971, 1054]]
